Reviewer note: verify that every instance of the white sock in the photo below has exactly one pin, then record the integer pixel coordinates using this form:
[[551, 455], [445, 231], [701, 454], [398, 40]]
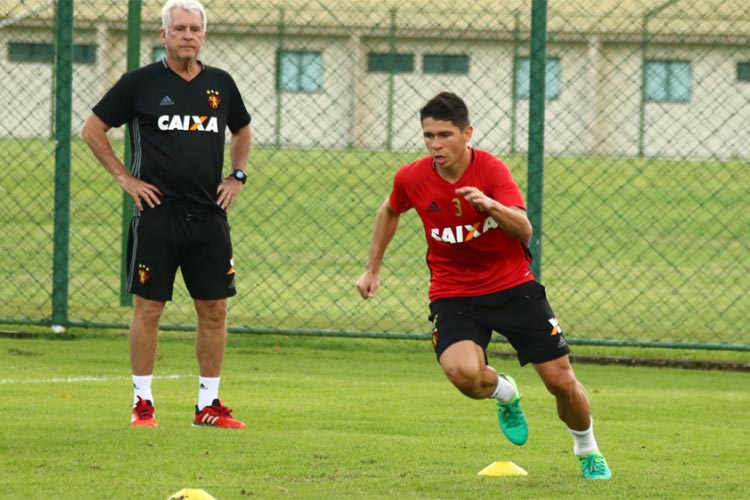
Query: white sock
[[142, 388], [208, 390], [584, 441], [504, 391]]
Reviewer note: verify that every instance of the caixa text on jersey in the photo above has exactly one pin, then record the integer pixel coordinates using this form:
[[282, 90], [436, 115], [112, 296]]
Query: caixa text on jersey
[[189, 123]]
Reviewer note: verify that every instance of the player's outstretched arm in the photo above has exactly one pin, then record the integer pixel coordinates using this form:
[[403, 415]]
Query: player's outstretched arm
[[386, 223]]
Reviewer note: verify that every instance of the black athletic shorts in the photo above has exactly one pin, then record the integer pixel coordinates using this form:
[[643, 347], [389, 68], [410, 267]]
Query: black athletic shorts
[[195, 239], [521, 314]]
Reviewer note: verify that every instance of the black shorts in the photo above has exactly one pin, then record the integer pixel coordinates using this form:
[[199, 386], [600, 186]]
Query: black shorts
[[521, 314], [195, 239]]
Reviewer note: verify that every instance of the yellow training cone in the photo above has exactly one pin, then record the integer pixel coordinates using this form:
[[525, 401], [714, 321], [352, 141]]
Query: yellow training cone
[[191, 494], [502, 469]]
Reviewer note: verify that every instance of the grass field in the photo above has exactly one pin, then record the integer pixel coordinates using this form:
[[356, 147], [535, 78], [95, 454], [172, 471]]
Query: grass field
[[350, 418], [634, 250]]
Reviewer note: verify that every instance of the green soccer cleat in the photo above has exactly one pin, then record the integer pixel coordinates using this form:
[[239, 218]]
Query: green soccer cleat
[[511, 418], [594, 466]]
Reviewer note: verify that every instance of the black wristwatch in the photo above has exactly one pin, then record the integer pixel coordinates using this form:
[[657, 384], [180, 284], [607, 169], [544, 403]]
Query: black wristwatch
[[238, 174]]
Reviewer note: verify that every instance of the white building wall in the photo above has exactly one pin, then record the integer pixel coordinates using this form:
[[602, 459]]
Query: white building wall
[[597, 112], [714, 122], [27, 88], [487, 90], [615, 118]]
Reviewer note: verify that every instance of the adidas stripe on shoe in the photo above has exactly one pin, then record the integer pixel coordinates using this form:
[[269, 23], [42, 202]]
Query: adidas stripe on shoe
[[216, 415]]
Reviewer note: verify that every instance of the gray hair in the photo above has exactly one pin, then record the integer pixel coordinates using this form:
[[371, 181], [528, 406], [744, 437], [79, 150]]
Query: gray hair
[[188, 5]]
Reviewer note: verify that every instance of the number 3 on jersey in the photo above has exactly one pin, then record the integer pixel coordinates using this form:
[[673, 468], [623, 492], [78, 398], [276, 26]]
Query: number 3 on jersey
[[459, 210]]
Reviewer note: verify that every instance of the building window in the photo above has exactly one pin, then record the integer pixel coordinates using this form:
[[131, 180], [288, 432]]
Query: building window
[[158, 53], [668, 81], [743, 71], [84, 54], [31, 52], [551, 78], [45, 53], [454, 64], [379, 62], [300, 71]]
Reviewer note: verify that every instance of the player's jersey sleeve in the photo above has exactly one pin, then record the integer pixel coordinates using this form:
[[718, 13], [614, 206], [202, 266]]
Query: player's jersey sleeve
[[116, 107], [399, 200], [504, 189], [238, 115]]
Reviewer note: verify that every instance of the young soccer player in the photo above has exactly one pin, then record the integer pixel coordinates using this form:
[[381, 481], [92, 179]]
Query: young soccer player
[[477, 234]]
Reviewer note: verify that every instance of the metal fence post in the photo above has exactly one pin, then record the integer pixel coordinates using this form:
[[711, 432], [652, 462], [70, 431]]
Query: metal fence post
[[645, 40], [392, 37], [63, 107], [514, 77], [536, 129], [134, 60], [277, 76]]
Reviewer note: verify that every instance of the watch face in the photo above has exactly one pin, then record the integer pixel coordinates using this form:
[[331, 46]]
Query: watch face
[[239, 175]]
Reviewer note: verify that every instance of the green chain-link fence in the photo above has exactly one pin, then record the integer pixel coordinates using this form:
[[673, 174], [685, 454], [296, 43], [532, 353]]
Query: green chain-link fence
[[645, 176]]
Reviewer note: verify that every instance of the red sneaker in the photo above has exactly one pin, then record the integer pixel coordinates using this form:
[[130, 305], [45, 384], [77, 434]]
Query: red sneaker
[[216, 415], [143, 414]]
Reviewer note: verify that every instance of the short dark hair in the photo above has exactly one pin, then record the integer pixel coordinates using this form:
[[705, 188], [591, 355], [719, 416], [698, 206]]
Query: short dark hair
[[446, 106]]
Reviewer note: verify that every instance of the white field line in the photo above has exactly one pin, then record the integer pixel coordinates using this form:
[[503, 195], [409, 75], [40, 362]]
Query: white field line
[[68, 380]]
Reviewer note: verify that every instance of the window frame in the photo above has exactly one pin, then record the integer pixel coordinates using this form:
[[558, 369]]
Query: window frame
[[669, 93], [44, 53], [158, 53], [390, 62], [299, 81], [440, 64], [552, 78], [35, 52], [743, 71]]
